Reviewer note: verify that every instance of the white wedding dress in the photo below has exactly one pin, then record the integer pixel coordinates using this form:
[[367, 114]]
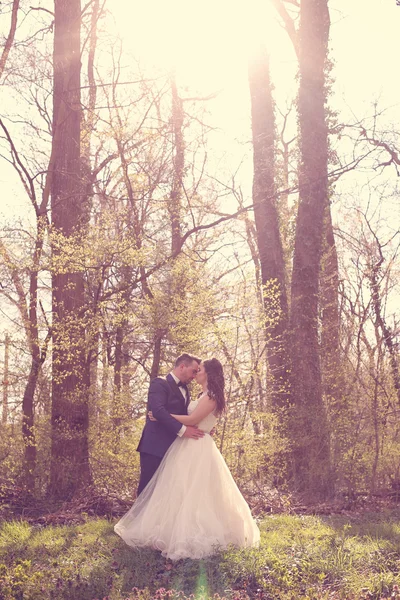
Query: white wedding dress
[[192, 505]]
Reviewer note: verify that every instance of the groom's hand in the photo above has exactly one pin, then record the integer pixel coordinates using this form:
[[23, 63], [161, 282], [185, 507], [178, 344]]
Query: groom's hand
[[193, 432]]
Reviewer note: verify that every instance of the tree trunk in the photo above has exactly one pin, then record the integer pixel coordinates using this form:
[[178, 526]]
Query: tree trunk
[[4, 416], [174, 202], [28, 432], [330, 324], [380, 322], [118, 412], [267, 225], [38, 354], [91, 118], [70, 386], [155, 365], [105, 368], [329, 304], [311, 456], [286, 210], [10, 37]]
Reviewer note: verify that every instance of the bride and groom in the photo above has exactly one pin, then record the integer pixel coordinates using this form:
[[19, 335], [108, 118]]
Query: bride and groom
[[188, 503]]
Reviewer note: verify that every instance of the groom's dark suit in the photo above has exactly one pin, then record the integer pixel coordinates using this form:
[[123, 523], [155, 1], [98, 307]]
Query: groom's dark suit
[[165, 397]]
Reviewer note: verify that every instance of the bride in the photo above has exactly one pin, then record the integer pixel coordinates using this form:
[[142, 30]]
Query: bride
[[192, 505]]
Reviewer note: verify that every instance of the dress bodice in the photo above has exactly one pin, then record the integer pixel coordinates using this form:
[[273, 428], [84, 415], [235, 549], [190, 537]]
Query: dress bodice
[[208, 422]]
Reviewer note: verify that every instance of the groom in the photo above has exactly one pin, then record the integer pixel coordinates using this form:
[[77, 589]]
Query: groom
[[166, 396]]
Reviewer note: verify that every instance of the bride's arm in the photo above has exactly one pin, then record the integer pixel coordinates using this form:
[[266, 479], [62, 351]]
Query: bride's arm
[[204, 408]]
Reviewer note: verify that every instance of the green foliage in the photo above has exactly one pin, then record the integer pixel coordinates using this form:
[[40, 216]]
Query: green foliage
[[299, 557], [182, 305], [11, 452], [114, 460], [252, 449]]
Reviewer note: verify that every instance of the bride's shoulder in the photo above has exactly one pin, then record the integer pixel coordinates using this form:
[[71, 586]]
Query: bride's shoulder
[[202, 395], [206, 398]]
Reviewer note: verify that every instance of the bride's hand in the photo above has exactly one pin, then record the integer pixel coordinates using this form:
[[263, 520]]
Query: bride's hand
[[150, 415]]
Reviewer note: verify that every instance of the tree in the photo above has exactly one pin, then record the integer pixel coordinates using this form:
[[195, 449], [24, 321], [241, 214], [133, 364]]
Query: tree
[[10, 37], [28, 303], [311, 458], [269, 241], [368, 430], [309, 426], [70, 383], [4, 413], [332, 387]]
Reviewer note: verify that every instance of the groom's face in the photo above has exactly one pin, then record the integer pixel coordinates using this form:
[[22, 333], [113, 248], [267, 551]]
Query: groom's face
[[189, 372]]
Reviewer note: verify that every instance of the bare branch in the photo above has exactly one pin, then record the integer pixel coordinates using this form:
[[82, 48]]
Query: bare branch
[[288, 22], [29, 188], [43, 9], [10, 37]]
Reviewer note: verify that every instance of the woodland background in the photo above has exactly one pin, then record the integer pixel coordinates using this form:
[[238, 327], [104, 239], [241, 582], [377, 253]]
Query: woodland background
[[136, 242]]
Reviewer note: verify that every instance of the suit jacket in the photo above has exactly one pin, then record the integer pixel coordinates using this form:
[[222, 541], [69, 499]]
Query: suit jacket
[[164, 398]]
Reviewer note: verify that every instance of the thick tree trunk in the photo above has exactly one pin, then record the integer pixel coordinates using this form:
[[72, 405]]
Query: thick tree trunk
[[311, 457], [268, 234], [70, 385]]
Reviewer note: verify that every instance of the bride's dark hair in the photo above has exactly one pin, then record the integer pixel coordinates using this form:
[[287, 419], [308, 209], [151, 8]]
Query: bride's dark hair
[[215, 382]]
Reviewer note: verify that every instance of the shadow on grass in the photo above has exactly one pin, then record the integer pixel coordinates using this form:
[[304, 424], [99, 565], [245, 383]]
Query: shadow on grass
[[146, 568], [384, 526]]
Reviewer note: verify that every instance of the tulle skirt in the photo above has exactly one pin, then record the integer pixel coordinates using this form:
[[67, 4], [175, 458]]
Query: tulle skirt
[[192, 506]]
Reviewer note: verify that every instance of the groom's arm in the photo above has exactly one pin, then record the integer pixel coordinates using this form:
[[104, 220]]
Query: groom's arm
[[158, 396]]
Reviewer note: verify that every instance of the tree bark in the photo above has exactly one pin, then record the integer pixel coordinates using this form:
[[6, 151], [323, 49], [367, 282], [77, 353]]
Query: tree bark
[[70, 385], [155, 365], [174, 202], [91, 118], [330, 326], [311, 457], [5, 382], [267, 225], [329, 304], [380, 322]]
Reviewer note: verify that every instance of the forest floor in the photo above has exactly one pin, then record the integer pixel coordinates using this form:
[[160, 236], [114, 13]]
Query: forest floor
[[337, 556]]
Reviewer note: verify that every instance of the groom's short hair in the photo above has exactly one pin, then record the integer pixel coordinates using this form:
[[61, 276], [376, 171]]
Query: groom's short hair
[[187, 359]]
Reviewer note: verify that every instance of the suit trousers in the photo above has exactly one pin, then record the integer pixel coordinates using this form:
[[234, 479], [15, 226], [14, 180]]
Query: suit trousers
[[148, 466]]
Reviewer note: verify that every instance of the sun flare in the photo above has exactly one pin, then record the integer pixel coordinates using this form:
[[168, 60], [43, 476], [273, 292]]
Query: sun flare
[[206, 42]]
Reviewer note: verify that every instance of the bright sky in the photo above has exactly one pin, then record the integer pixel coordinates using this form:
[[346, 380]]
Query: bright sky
[[206, 41], [366, 40], [209, 43]]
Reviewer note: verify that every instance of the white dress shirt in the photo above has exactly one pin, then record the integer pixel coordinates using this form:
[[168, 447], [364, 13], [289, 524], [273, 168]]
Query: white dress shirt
[[184, 394]]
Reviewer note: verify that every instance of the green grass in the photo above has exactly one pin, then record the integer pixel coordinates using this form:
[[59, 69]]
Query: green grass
[[299, 557]]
